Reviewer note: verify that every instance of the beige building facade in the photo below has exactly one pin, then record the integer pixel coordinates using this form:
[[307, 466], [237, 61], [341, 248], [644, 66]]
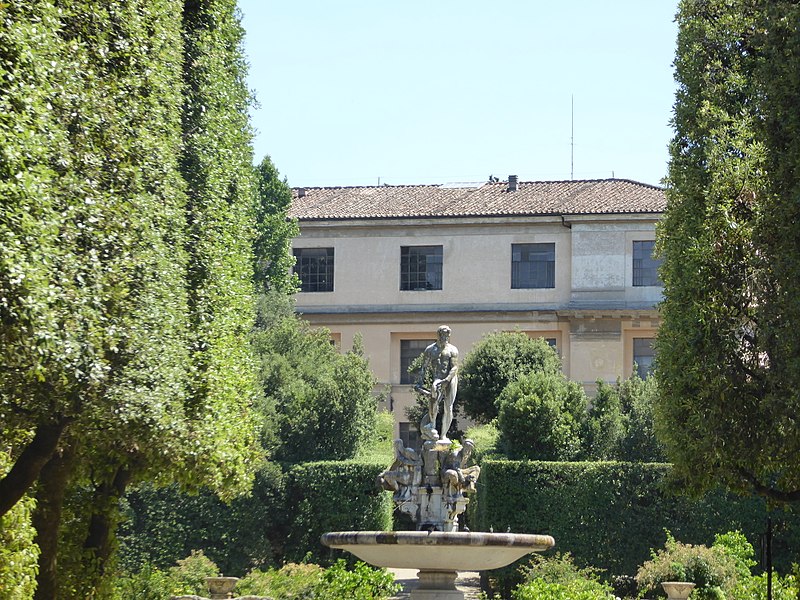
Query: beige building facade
[[567, 261]]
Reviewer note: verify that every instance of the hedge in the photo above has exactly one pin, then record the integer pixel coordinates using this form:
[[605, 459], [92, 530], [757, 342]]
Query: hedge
[[281, 520], [333, 496], [610, 514]]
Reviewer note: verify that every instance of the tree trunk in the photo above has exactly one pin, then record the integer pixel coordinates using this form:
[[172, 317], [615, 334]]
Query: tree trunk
[[27, 467], [53, 480], [105, 507]]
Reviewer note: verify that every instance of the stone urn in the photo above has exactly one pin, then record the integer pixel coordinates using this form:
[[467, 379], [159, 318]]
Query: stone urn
[[677, 590], [221, 588]]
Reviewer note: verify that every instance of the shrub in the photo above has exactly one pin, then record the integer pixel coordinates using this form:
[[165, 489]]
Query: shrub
[[332, 496], [755, 588], [362, 582], [610, 514], [189, 576], [540, 417], [293, 581], [149, 583], [713, 570], [493, 363], [558, 578], [578, 589], [747, 586], [297, 581]]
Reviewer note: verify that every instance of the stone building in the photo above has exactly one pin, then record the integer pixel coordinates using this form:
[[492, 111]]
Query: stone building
[[569, 261]]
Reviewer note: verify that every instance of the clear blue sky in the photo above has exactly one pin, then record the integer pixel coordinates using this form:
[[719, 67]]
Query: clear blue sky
[[356, 92]]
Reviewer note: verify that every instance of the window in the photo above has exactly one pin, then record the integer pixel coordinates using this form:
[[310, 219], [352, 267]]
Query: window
[[533, 266], [409, 351], [410, 436], [645, 267], [643, 355], [420, 268], [314, 266]]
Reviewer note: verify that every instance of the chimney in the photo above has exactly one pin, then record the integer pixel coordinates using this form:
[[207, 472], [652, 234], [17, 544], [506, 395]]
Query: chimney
[[301, 192], [512, 183]]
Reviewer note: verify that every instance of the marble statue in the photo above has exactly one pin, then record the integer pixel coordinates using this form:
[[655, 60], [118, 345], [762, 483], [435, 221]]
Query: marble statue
[[430, 486], [440, 362]]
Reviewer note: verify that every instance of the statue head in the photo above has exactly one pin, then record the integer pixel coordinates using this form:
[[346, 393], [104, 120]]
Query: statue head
[[443, 333]]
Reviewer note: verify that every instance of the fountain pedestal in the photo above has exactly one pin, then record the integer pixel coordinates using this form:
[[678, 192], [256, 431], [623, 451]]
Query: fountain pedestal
[[437, 555]]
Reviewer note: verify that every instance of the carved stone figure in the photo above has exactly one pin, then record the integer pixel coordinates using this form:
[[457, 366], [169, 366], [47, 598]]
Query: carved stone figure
[[440, 361], [405, 472], [456, 476]]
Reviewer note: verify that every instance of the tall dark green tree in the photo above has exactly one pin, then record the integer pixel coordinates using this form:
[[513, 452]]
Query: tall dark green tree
[[126, 284], [729, 346], [274, 232]]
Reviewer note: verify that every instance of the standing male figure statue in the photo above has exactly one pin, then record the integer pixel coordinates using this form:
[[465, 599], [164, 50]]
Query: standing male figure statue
[[440, 359]]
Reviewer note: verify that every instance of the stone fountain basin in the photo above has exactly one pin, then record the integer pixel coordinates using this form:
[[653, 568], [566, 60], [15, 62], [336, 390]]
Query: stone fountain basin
[[437, 550]]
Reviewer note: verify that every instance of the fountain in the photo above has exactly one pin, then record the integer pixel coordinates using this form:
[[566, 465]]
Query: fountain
[[432, 489]]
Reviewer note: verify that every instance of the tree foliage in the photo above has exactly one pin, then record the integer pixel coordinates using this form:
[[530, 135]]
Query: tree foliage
[[493, 363], [540, 417], [126, 278], [320, 401], [728, 347], [274, 232], [619, 422]]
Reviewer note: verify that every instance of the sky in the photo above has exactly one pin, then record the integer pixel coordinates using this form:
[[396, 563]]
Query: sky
[[357, 92]]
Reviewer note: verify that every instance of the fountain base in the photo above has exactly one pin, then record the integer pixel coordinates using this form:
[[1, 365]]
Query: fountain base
[[437, 555]]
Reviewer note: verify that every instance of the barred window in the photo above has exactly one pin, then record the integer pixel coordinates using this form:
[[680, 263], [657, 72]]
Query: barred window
[[644, 354], [410, 436], [533, 266], [410, 350], [420, 268], [645, 267], [314, 266]]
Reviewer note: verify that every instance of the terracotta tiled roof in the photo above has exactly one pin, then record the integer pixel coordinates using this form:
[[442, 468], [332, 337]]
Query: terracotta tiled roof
[[601, 196]]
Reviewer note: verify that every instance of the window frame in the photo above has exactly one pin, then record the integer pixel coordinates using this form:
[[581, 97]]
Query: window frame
[[421, 263], [406, 358], [533, 279], [644, 268], [320, 273], [644, 370]]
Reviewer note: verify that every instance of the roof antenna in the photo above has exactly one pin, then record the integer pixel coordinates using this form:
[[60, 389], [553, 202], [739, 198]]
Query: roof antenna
[[572, 139]]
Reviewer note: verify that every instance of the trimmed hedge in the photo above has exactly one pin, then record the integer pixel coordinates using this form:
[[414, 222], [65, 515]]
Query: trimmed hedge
[[281, 520], [610, 514], [333, 496]]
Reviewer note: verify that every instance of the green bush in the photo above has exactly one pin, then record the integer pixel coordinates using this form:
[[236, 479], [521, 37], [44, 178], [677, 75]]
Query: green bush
[[493, 363], [755, 588], [296, 581], [540, 416], [164, 525], [487, 439], [712, 570], [362, 582], [189, 575], [577, 589], [282, 519], [293, 581], [149, 583]]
